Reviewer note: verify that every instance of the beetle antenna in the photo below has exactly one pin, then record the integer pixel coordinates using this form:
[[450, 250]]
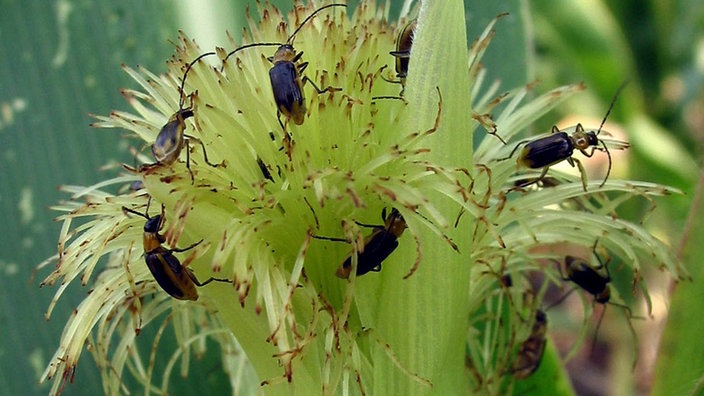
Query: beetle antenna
[[608, 169], [311, 16], [128, 210], [598, 258], [611, 106], [248, 46], [596, 331], [182, 98]]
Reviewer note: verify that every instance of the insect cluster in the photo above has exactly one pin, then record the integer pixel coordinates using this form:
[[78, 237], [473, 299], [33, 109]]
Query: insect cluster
[[287, 84], [274, 144], [521, 327], [287, 80]]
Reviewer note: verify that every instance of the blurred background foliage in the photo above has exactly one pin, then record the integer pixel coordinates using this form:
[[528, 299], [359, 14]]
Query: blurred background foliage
[[61, 62]]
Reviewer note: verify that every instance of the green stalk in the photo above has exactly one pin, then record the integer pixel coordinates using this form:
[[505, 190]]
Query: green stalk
[[425, 316], [680, 364]]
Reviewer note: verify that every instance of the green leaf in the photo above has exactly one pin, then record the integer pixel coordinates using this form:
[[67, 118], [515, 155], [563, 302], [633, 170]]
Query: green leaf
[[550, 378], [680, 364], [429, 306], [61, 62]]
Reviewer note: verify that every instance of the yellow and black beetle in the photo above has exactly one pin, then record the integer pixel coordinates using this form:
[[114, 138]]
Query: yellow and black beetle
[[559, 146], [404, 42], [286, 75], [175, 279], [531, 351], [171, 139]]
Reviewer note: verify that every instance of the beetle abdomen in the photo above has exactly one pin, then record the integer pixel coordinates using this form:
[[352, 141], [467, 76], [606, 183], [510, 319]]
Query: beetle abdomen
[[546, 151], [286, 86]]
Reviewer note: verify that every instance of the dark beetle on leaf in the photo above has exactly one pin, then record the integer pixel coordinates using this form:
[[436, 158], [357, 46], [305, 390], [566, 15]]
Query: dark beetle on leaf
[[377, 246], [175, 279], [287, 74], [559, 146]]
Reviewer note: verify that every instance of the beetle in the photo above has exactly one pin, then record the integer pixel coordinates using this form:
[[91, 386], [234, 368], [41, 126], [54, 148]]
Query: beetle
[[542, 153], [404, 42], [171, 139], [286, 74], [176, 279], [588, 278], [596, 283], [377, 246], [545, 182], [531, 351]]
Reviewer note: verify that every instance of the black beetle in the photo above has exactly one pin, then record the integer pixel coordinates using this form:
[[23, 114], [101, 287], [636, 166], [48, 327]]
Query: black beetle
[[175, 279], [542, 153], [286, 74]]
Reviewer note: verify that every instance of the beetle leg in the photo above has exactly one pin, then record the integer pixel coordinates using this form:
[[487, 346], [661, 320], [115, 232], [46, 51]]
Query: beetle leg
[[195, 280], [324, 238], [561, 299], [514, 150], [602, 264], [301, 66], [406, 54], [629, 315], [582, 172], [186, 248], [329, 88], [542, 175], [390, 80], [198, 283], [205, 154], [561, 270], [287, 142], [596, 330], [633, 333], [370, 225], [590, 152], [608, 170]]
